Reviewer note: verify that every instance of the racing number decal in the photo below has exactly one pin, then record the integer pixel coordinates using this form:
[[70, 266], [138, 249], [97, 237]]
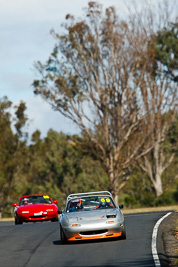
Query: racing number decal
[[107, 200], [45, 196]]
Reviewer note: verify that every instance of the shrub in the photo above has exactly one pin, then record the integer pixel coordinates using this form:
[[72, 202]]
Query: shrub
[[130, 202]]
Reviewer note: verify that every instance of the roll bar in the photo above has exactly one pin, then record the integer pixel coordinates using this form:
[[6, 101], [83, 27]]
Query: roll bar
[[107, 193]]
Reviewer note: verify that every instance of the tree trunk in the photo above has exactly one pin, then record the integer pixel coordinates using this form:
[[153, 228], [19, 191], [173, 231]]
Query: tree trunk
[[153, 165], [157, 183], [115, 196], [113, 181]]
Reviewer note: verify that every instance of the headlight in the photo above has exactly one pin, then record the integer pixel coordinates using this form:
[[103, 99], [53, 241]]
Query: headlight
[[25, 211], [75, 224]]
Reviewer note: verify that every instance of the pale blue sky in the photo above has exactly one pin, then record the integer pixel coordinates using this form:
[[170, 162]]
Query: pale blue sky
[[25, 38]]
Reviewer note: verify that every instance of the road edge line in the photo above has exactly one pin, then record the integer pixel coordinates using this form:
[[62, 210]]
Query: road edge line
[[154, 239]]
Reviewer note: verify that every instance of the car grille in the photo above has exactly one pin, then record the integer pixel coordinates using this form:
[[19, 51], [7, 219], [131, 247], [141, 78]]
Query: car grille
[[111, 216], [97, 232], [36, 217]]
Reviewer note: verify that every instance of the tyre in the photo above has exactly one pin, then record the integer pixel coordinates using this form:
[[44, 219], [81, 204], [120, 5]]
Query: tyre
[[123, 236], [55, 219], [62, 235], [17, 220]]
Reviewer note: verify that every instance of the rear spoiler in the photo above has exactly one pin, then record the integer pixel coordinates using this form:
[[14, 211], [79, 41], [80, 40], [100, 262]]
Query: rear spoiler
[[106, 193]]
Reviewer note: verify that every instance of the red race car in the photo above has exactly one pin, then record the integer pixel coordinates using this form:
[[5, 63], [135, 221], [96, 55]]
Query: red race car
[[32, 208]]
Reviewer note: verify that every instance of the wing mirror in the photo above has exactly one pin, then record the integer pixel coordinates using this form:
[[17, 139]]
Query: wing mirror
[[55, 201], [121, 206], [14, 204], [59, 211]]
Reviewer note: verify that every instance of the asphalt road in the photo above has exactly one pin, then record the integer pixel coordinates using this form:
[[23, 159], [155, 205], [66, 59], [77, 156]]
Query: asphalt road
[[39, 245]]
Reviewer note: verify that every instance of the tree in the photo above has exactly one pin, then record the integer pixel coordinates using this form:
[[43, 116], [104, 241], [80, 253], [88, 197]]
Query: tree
[[94, 77], [160, 100], [12, 151], [21, 119], [158, 160], [6, 135], [166, 48]]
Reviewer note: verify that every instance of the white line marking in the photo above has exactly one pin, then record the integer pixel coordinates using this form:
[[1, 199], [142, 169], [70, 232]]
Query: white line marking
[[154, 238]]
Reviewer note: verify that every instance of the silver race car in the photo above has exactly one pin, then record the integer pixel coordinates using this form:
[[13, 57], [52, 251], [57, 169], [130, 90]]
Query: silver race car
[[91, 215]]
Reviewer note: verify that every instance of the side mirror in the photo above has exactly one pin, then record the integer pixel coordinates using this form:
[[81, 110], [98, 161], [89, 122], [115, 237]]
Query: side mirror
[[59, 211], [55, 201], [14, 204], [121, 206]]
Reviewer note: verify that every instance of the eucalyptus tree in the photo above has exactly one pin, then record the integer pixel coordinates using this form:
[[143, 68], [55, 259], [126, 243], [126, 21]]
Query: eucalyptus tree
[[95, 77], [159, 91]]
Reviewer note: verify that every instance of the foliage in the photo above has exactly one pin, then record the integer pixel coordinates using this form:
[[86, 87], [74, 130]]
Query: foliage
[[166, 47], [12, 151], [139, 193], [60, 164], [130, 202]]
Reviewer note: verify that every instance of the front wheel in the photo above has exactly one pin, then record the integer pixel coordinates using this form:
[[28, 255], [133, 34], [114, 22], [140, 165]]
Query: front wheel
[[17, 220], [55, 219], [62, 235], [123, 236]]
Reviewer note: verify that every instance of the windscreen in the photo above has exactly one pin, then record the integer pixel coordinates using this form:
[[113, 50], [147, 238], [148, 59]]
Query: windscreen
[[35, 200], [90, 203]]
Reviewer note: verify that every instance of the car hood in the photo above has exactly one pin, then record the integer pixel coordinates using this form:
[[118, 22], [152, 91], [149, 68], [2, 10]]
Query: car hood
[[37, 207], [92, 215]]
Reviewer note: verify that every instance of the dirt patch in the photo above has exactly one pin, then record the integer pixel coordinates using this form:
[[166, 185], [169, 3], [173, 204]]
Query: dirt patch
[[170, 238], [6, 219]]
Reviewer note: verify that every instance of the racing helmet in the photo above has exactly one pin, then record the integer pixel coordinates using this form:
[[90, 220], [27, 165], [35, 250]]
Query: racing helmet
[[76, 203]]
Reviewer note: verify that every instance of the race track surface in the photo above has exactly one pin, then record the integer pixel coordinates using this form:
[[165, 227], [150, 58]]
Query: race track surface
[[39, 245]]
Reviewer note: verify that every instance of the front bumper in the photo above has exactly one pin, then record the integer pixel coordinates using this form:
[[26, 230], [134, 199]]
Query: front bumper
[[35, 218], [93, 231]]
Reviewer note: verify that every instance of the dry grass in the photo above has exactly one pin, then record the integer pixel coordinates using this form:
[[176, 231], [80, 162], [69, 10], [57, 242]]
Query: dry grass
[[139, 210], [6, 219]]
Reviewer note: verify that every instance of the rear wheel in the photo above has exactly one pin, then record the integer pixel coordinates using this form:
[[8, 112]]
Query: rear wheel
[[62, 235], [17, 220]]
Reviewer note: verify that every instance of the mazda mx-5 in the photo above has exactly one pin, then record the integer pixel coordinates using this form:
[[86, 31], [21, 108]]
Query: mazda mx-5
[[91, 215], [32, 208]]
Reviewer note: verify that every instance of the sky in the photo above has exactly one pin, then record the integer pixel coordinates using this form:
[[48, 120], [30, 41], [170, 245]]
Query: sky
[[24, 39]]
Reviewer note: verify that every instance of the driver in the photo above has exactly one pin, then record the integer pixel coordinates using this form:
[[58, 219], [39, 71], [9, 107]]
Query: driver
[[75, 204], [25, 201]]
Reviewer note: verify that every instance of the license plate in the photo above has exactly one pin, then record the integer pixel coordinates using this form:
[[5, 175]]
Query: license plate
[[38, 213]]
